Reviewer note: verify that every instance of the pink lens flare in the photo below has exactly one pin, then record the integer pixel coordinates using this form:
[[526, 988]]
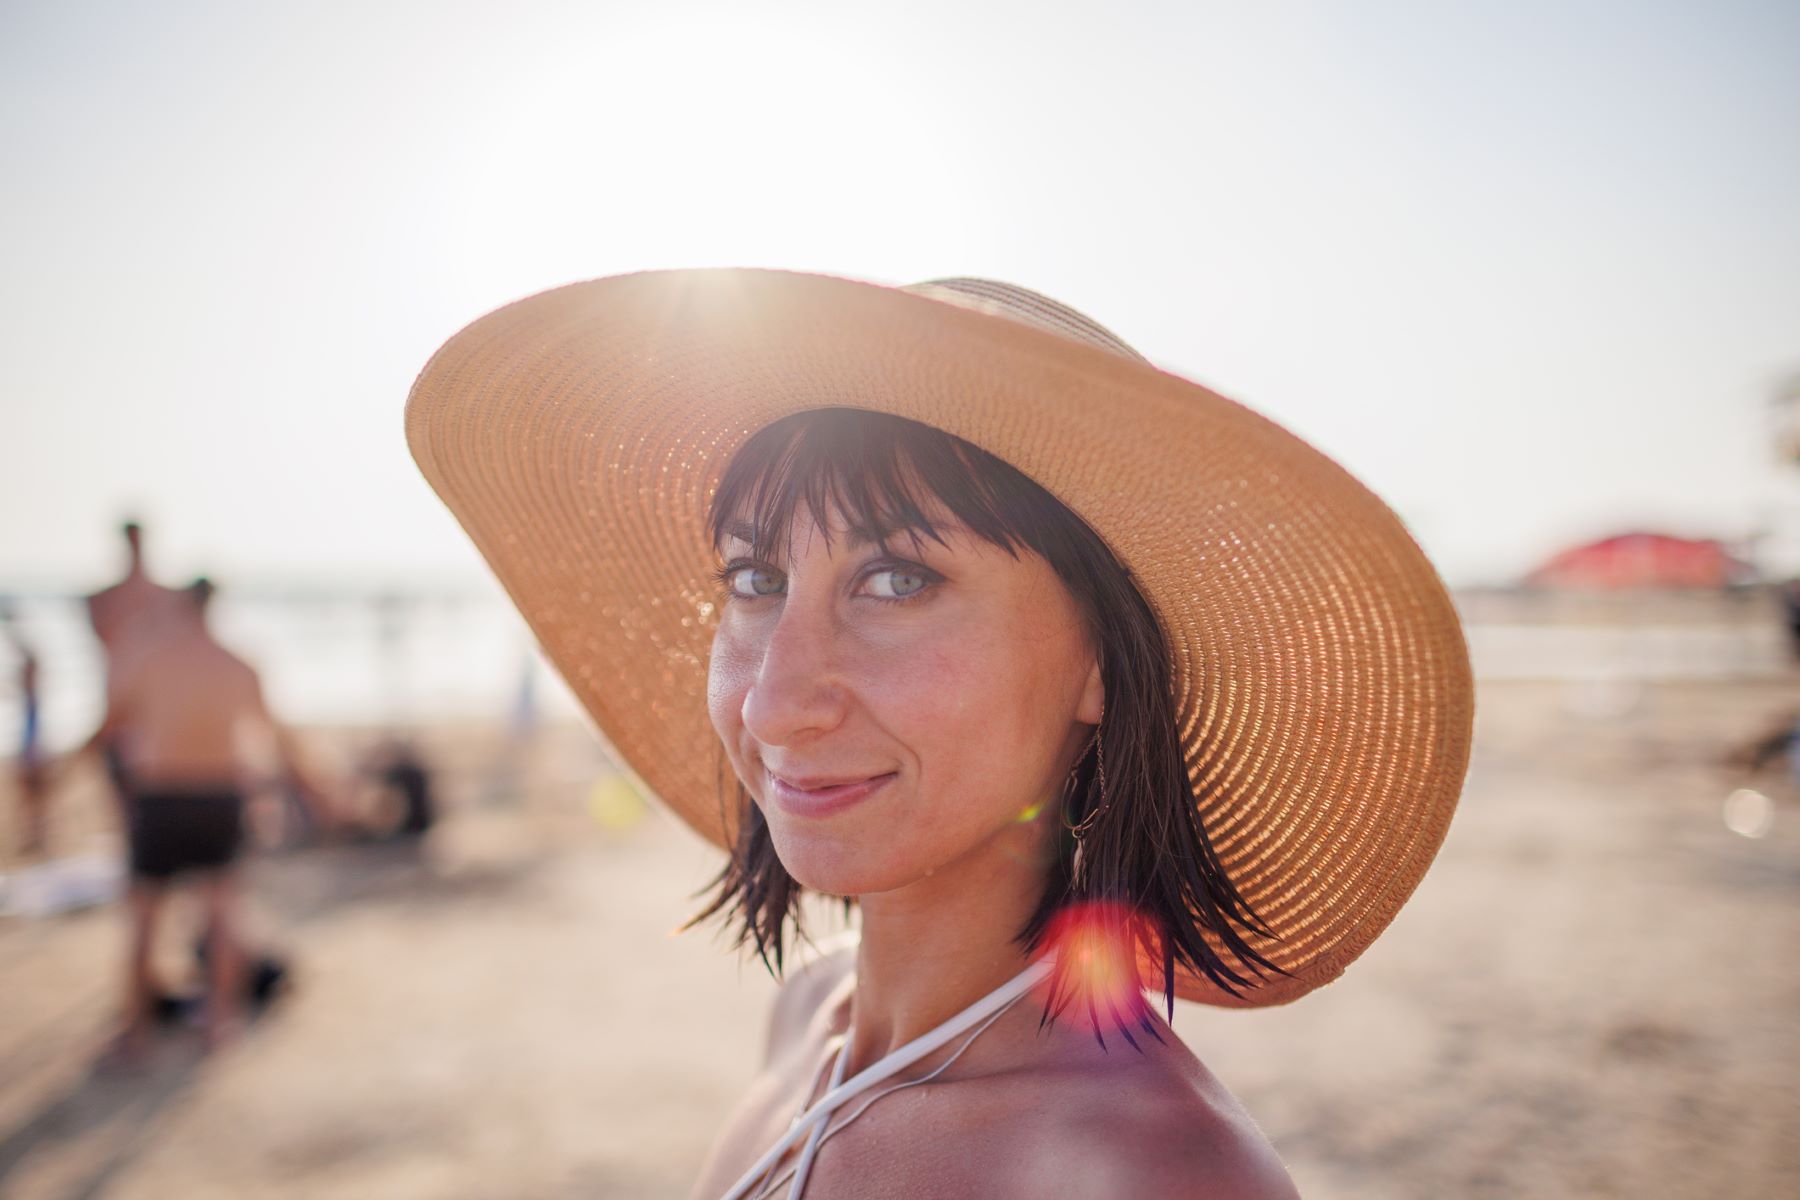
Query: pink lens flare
[[1096, 944]]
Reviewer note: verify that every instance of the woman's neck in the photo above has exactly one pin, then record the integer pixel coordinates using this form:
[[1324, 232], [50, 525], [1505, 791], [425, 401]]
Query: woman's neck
[[934, 947]]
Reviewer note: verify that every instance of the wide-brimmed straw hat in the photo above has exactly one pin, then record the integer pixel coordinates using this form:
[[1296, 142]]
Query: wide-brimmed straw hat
[[1322, 679]]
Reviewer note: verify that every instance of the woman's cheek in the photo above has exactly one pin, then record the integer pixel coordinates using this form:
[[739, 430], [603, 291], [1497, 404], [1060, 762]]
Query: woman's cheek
[[938, 681], [730, 672], [937, 701]]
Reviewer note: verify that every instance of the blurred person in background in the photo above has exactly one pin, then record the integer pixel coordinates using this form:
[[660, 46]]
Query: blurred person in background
[[1790, 611], [400, 800], [126, 617], [187, 719], [29, 767]]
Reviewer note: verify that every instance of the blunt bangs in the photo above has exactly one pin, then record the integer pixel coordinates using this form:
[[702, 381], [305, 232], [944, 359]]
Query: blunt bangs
[[881, 476]]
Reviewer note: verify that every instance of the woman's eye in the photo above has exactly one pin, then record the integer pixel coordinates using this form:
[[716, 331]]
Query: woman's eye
[[895, 583], [753, 582]]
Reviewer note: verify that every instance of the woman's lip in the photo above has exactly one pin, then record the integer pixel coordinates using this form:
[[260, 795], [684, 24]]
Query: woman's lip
[[822, 801]]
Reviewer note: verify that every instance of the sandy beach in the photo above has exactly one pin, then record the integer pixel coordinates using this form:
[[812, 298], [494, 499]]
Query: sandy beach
[[1592, 994]]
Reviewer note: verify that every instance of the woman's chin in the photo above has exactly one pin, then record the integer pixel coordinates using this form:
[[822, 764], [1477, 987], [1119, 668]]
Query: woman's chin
[[836, 866]]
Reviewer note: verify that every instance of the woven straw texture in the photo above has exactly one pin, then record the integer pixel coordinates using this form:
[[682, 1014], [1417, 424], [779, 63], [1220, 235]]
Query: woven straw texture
[[1322, 677]]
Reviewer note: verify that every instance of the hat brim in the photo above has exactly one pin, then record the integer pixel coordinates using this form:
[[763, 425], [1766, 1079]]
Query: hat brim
[[1322, 678]]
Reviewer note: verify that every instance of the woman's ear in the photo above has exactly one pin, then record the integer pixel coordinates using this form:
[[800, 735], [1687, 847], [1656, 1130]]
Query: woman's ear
[[1093, 697]]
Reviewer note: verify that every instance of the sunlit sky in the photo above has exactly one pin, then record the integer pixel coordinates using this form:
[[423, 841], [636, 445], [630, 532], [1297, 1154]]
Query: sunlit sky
[[1531, 270]]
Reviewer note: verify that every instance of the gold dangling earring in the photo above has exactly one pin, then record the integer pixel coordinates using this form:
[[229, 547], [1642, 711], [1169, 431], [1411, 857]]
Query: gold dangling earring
[[1080, 831]]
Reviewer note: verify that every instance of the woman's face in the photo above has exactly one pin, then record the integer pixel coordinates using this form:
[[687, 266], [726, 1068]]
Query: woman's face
[[890, 712]]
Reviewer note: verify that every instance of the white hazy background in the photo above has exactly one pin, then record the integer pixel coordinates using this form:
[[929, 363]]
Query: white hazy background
[[1532, 270]]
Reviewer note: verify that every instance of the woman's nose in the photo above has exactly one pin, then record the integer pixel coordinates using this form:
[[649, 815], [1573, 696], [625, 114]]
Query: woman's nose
[[797, 690]]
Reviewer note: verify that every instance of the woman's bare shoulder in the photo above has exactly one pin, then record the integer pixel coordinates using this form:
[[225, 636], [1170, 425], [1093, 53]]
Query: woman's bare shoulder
[[1195, 1150], [804, 989], [1159, 1125]]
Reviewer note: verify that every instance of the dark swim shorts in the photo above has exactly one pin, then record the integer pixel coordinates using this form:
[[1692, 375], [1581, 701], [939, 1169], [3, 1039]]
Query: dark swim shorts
[[176, 832]]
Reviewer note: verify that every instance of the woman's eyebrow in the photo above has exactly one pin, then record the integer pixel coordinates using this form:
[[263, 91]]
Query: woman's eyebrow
[[860, 535], [881, 535]]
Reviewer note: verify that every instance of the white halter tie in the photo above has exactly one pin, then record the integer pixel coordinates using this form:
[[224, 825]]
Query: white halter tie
[[811, 1123]]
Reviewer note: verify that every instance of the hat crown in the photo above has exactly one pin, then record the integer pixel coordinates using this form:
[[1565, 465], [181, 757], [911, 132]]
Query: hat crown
[[1022, 304]]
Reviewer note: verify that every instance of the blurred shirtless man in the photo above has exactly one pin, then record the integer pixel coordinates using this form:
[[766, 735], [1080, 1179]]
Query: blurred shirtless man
[[126, 618], [196, 714]]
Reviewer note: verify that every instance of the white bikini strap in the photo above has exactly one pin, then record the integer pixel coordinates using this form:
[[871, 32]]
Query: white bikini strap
[[897, 1060], [803, 1168], [829, 1131]]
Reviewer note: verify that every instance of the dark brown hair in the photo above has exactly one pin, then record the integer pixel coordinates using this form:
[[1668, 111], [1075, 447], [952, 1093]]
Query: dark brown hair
[[1146, 854]]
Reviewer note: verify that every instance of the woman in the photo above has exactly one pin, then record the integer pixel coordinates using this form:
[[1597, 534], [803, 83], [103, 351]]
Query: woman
[[1076, 679]]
